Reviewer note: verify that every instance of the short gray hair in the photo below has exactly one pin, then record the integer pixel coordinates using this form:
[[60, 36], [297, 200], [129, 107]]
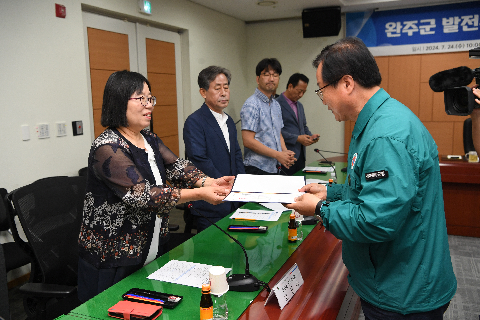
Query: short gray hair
[[207, 75]]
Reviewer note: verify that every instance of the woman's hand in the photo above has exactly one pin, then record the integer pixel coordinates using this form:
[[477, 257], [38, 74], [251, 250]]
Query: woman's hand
[[225, 181], [213, 194]]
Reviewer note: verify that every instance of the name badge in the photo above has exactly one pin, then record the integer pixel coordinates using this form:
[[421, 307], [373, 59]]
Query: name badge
[[372, 176]]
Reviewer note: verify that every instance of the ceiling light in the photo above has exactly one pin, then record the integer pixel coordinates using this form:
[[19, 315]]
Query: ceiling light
[[265, 3]]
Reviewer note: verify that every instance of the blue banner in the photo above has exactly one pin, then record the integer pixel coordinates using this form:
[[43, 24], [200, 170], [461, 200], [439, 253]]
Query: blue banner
[[444, 28]]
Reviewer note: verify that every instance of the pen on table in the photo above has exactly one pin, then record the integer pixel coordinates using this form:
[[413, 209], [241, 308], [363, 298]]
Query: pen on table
[[245, 219]]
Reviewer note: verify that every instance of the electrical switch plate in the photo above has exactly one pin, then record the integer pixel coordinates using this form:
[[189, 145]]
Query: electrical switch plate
[[61, 129], [77, 127], [43, 131], [25, 132]]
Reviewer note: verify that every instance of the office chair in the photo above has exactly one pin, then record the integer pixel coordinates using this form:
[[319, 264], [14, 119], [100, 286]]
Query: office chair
[[83, 171], [467, 136], [50, 213], [4, 305], [15, 256]]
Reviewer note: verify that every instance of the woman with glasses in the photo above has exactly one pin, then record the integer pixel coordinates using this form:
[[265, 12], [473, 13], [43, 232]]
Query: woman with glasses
[[127, 201]]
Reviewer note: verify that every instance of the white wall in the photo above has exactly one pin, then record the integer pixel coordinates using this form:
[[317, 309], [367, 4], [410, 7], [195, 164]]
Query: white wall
[[44, 75], [284, 41]]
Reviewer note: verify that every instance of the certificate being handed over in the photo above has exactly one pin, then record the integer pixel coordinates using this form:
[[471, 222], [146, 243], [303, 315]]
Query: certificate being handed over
[[266, 188]]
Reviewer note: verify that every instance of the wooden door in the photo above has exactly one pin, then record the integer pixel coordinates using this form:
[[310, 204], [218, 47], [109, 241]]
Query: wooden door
[[115, 45], [108, 52], [162, 77]]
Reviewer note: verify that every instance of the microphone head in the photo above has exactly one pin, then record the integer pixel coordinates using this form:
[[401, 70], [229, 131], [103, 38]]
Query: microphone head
[[456, 77]]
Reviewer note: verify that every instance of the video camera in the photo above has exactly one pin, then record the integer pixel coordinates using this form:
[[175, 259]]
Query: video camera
[[459, 99]]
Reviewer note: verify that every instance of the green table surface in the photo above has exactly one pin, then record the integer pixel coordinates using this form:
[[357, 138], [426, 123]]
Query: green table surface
[[267, 252]]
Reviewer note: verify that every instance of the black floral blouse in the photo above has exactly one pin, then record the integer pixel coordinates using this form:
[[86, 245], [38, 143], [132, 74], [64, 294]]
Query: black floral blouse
[[122, 200]]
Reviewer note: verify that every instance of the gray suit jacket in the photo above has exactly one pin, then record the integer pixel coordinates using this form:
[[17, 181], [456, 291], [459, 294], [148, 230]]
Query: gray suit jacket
[[292, 127]]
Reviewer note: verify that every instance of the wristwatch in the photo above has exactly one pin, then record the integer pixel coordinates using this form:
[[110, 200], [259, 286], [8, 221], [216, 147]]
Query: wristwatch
[[318, 209]]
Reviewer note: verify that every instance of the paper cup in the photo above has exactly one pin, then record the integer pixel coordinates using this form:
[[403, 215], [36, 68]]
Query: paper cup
[[472, 156], [218, 280]]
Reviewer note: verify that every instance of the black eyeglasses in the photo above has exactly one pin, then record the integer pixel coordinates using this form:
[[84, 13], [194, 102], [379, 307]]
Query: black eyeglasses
[[319, 91], [144, 101], [268, 75]]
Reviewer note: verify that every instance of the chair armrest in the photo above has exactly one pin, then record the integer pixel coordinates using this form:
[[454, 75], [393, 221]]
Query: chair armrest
[[47, 290], [173, 227]]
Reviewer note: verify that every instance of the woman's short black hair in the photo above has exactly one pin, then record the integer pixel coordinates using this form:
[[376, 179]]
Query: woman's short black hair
[[121, 85], [268, 63], [348, 56]]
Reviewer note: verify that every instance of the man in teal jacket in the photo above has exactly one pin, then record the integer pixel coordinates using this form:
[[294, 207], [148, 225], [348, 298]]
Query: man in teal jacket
[[389, 213]]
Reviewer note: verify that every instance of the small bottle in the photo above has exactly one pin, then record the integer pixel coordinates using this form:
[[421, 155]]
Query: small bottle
[[330, 182], [206, 303], [292, 228]]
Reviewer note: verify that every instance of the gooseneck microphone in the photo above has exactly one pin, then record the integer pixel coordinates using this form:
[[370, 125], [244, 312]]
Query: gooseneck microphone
[[279, 168], [238, 282], [316, 150], [456, 77], [329, 162]]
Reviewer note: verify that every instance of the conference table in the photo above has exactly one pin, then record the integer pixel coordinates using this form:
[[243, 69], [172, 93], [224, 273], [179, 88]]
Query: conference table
[[270, 256], [461, 194]]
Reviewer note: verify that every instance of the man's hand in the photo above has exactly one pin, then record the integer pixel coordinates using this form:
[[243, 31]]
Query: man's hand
[[286, 158], [318, 190], [305, 204], [307, 140], [315, 137]]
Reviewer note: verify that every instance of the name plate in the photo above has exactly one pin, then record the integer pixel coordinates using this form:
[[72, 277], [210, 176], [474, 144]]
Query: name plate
[[286, 288]]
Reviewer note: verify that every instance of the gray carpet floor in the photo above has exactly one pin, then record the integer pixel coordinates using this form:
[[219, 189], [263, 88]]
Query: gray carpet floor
[[465, 253]]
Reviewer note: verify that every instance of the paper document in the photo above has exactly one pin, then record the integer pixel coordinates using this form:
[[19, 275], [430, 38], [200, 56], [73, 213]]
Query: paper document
[[266, 188], [185, 273], [308, 181], [264, 215], [275, 206], [318, 169]]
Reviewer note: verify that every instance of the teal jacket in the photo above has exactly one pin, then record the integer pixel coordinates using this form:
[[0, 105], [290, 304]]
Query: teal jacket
[[389, 214]]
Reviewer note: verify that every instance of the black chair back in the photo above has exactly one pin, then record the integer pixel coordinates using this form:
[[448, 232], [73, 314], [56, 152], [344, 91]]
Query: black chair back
[[50, 212], [15, 257], [4, 305]]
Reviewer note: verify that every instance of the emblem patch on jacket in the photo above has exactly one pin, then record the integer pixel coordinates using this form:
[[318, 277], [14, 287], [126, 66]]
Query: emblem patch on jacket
[[354, 159], [371, 176]]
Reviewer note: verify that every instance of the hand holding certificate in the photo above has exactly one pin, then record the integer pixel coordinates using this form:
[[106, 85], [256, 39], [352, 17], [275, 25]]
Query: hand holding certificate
[[266, 188]]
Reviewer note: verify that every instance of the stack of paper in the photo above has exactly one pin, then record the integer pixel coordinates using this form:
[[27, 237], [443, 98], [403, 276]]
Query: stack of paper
[[318, 169]]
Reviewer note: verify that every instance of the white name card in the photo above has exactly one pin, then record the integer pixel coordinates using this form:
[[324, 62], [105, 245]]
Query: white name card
[[286, 288]]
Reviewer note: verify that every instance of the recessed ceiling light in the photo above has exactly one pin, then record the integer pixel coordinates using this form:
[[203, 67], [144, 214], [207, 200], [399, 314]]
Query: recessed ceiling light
[[265, 3]]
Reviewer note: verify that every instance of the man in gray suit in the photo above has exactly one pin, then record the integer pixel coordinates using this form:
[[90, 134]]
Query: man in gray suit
[[295, 131]]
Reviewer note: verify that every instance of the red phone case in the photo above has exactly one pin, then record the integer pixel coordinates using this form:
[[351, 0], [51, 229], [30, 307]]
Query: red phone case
[[129, 310]]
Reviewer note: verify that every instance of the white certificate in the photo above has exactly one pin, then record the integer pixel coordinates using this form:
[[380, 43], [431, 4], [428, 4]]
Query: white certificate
[[266, 188]]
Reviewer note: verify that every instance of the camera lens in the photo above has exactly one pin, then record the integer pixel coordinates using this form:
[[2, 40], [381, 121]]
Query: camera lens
[[460, 100]]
